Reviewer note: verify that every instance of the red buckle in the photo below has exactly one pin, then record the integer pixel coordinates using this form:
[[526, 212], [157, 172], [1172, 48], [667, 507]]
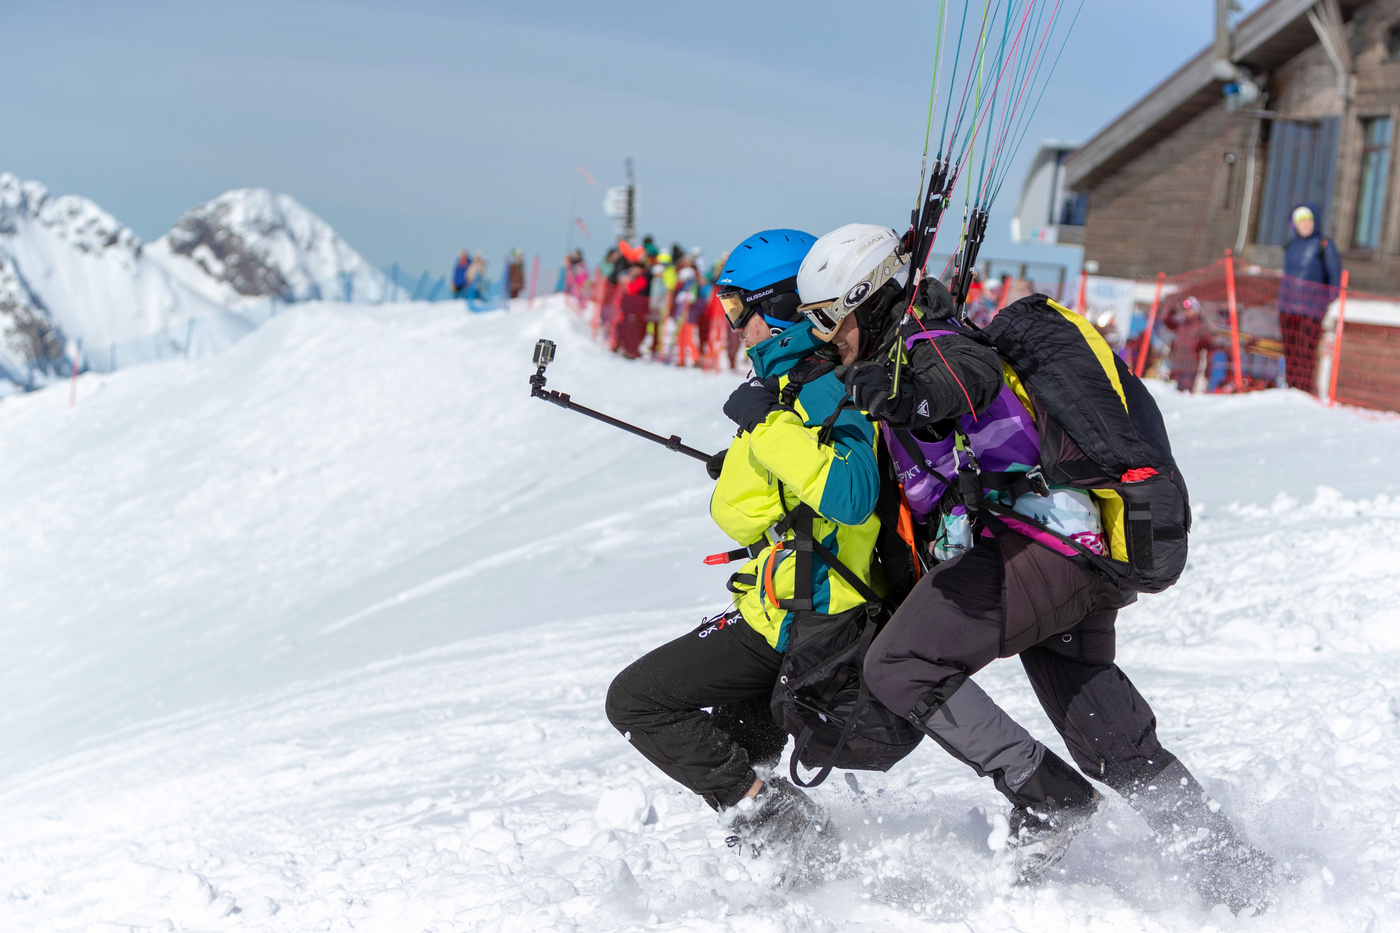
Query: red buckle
[[717, 559], [1139, 474]]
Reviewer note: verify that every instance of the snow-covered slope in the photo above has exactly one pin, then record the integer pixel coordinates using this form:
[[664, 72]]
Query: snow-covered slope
[[315, 635], [69, 270], [251, 243]]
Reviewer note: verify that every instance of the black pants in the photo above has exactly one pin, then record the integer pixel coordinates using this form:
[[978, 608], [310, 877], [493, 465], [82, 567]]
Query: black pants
[[1004, 599], [659, 704]]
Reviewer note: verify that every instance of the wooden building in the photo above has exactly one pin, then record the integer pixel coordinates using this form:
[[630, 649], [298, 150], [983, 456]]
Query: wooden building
[[1197, 167]]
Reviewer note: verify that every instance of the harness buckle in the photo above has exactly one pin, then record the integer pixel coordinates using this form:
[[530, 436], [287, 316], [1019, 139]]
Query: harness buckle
[[1037, 482]]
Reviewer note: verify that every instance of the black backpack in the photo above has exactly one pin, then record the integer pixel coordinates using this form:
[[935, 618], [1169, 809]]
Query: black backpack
[[1101, 431], [821, 697]]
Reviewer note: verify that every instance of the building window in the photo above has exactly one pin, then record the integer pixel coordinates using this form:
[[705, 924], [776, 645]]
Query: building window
[[1375, 172], [1392, 42]]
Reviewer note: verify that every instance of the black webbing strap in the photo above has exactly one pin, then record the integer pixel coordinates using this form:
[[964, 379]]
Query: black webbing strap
[[1016, 484], [799, 522], [746, 580], [1138, 525], [906, 440]]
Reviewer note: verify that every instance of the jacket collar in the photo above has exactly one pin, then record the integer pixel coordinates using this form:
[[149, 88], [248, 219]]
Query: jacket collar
[[781, 352]]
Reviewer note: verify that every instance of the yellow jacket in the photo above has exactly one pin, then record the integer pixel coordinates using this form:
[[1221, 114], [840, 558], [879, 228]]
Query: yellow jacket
[[769, 471]]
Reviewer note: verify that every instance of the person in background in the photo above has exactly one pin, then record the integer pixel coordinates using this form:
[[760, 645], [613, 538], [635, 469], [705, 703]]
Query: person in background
[[459, 275], [688, 310], [517, 273], [1312, 273], [1192, 339], [634, 305], [476, 277]]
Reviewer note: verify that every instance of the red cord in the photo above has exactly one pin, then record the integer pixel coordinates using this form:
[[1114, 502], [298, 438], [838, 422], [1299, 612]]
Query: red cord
[[932, 341]]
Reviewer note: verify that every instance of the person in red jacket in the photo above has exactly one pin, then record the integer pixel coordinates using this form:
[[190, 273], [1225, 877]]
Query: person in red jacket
[[634, 307]]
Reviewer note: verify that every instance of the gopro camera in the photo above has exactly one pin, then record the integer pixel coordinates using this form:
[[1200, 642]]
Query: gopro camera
[[544, 353]]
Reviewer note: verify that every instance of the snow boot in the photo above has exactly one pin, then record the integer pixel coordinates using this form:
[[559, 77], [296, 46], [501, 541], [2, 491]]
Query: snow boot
[[1054, 806], [1041, 837], [782, 819], [1216, 862]]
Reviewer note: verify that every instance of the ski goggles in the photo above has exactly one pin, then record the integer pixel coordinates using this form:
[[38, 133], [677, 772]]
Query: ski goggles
[[740, 305]]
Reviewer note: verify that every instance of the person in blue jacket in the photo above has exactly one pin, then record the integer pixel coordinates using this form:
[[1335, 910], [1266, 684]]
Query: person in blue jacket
[[1312, 273], [459, 275]]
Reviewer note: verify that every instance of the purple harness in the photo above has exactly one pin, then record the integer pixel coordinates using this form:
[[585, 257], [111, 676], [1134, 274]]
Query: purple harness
[[1004, 439]]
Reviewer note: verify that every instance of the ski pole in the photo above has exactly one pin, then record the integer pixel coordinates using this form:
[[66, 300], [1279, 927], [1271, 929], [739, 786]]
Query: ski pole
[[544, 355]]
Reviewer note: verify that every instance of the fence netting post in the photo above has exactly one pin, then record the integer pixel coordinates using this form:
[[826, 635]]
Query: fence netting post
[[1337, 340], [1151, 323], [1234, 320]]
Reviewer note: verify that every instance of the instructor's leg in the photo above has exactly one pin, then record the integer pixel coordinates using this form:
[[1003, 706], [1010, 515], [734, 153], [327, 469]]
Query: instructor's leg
[[659, 704]]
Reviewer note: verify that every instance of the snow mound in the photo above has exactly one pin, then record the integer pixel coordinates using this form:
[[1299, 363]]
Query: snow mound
[[315, 634], [259, 244]]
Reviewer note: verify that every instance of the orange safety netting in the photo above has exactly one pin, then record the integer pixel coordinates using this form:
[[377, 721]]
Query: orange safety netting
[[1239, 327]]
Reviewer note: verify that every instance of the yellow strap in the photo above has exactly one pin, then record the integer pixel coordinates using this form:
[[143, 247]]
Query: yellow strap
[[1096, 343]]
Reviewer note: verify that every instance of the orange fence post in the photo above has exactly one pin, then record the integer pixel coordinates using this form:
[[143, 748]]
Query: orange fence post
[[1337, 341], [534, 278], [1151, 322], [1234, 320]]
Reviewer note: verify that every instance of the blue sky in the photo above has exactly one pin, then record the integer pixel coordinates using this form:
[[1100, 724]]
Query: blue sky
[[419, 128]]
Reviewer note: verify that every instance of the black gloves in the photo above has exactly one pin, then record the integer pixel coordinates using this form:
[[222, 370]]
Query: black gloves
[[869, 385], [715, 465], [933, 300], [750, 404]]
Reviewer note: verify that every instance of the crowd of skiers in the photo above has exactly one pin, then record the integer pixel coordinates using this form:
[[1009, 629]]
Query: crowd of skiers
[[654, 302], [913, 498]]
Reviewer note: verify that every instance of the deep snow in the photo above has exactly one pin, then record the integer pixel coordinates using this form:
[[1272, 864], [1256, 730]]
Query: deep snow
[[315, 634]]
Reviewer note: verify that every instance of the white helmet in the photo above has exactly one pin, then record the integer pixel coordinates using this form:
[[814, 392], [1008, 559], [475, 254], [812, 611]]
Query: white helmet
[[843, 269]]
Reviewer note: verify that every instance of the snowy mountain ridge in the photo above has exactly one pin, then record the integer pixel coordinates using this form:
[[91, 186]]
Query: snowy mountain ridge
[[70, 270]]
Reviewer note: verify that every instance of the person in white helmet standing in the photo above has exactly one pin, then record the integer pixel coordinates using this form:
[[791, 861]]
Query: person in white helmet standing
[[946, 400]]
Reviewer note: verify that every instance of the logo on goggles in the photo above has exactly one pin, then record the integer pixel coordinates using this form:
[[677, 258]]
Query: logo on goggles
[[856, 295]]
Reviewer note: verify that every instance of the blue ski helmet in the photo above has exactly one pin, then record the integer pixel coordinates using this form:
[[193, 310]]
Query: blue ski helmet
[[760, 275]]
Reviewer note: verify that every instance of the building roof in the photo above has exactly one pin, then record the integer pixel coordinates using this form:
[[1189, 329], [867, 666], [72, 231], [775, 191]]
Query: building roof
[[1265, 39]]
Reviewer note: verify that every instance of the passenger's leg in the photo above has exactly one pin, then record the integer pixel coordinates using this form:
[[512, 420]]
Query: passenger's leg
[[659, 704]]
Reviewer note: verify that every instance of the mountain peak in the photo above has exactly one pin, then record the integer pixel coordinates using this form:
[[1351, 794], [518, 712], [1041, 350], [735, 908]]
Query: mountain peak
[[265, 244]]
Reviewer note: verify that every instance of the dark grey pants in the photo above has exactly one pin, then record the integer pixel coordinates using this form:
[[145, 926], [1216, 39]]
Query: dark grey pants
[[1015, 597]]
